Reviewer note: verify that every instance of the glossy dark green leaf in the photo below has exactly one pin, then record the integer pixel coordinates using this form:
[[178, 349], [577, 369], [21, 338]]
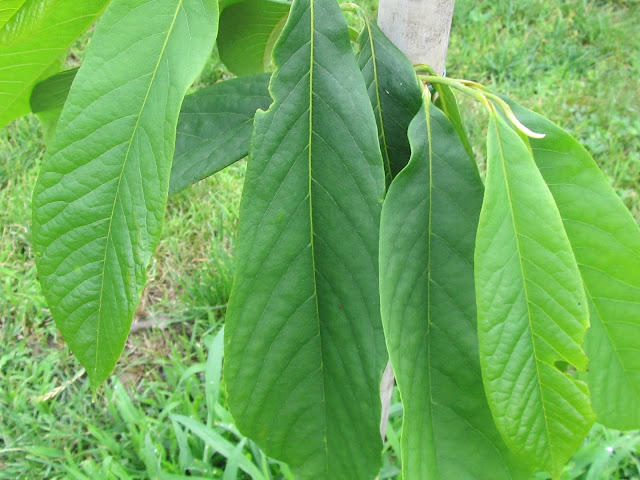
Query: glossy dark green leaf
[[532, 310], [248, 32], [304, 347], [33, 44], [606, 242], [394, 92], [100, 197], [427, 297], [214, 128]]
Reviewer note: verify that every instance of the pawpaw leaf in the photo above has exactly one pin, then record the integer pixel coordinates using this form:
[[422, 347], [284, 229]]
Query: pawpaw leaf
[[304, 347], [606, 242], [532, 310], [427, 236], [99, 201], [33, 43], [394, 92]]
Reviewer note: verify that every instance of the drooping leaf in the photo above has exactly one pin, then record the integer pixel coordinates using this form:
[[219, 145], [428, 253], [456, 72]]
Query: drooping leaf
[[248, 31], [606, 242], [101, 194], [304, 348], [33, 44], [532, 311], [427, 297], [394, 92], [8, 8], [47, 100], [447, 102], [215, 127]]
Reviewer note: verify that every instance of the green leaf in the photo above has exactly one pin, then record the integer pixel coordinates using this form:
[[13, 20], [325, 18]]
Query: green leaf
[[51, 93], [304, 347], [606, 242], [248, 32], [427, 236], [33, 44], [532, 311], [47, 100], [394, 92], [8, 8], [447, 102], [101, 194], [214, 128]]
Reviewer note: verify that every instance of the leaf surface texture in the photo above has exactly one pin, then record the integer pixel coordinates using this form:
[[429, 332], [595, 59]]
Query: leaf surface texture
[[214, 128], [304, 348], [101, 194], [606, 242], [532, 310], [427, 236]]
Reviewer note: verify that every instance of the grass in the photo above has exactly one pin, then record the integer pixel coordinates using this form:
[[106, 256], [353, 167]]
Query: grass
[[578, 61]]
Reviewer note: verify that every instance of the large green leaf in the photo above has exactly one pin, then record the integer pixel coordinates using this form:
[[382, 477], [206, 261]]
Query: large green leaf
[[532, 311], [394, 92], [8, 8], [215, 127], [427, 297], [101, 194], [304, 347], [606, 242], [248, 31], [33, 44]]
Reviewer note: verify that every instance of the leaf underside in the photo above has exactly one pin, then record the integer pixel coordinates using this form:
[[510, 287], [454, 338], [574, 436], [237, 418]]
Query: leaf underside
[[304, 348], [248, 31], [214, 128], [100, 197], [394, 93], [606, 241], [532, 312], [428, 227], [33, 44]]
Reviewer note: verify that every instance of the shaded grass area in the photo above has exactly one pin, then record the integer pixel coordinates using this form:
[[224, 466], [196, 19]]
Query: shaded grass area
[[577, 61]]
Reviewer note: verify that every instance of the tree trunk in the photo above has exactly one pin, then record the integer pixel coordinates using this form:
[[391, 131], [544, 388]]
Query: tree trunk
[[420, 29]]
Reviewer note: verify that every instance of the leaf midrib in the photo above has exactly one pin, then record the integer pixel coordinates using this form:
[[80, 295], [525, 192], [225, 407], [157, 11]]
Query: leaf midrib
[[312, 234], [124, 163], [374, 63], [524, 284]]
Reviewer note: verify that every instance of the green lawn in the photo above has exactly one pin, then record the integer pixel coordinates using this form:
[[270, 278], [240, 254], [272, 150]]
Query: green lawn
[[578, 61]]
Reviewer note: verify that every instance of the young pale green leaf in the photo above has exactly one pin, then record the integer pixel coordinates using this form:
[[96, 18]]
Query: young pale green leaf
[[248, 31], [8, 8], [214, 128], [532, 311], [33, 44], [394, 91], [447, 102], [606, 242], [100, 197], [304, 347], [427, 298]]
